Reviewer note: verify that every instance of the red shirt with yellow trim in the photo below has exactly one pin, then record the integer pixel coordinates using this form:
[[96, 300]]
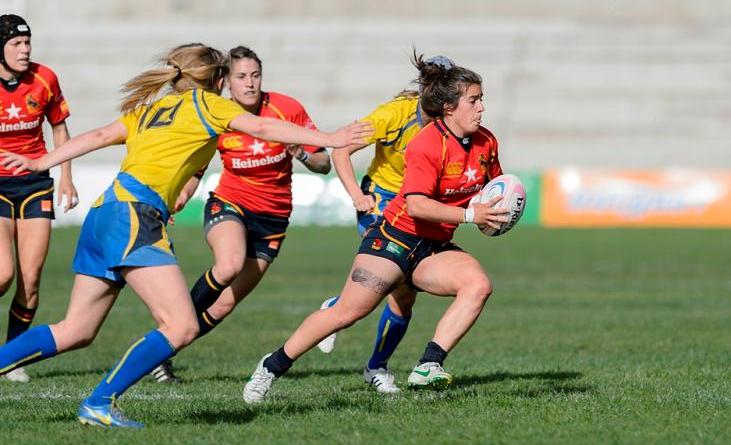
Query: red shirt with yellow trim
[[441, 167], [257, 173], [22, 111]]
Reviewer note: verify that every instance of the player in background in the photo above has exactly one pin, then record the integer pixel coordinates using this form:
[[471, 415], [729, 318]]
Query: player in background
[[447, 164], [396, 122], [123, 239], [246, 217], [29, 94]]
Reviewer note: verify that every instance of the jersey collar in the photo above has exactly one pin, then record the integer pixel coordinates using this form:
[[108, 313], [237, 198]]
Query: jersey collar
[[465, 142]]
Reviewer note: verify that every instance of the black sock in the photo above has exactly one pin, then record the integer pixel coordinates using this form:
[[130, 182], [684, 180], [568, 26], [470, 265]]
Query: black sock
[[19, 319], [205, 291], [206, 323], [278, 363], [433, 353]]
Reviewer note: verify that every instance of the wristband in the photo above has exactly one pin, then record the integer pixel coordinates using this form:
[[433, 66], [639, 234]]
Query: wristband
[[304, 157], [469, 215]]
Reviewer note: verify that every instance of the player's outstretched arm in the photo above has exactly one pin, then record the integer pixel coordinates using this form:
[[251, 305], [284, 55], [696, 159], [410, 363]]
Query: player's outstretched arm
[[114, 133], [344, 168], [286, 132]]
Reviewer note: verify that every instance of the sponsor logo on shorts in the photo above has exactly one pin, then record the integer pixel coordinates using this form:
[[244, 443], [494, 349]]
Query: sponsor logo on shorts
[[394, 248], [46, 205], [274, 244], [377, 244], [215, 208]]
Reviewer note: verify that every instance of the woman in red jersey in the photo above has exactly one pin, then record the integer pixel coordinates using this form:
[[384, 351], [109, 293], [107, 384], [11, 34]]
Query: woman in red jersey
[[29, 94], [246, 217], [447, 164]]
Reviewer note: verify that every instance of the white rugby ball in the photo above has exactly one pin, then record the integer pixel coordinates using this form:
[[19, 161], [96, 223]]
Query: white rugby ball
[[513, 193]]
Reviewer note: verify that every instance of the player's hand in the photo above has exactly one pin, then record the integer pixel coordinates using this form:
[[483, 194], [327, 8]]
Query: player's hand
[[18, 163], [295, 150], [67, 197], [182, 200], [356, 133], [488, 215], [364, 203]]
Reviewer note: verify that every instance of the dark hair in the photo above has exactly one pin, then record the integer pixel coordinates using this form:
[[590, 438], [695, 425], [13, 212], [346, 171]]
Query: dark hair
[[241, 52], [185, 67], [440, 85]]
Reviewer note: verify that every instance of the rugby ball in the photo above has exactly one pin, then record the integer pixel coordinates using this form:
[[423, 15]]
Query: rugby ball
[[513, 193]]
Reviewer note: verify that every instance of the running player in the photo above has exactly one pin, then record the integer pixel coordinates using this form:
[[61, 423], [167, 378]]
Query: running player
[[246, 218], [29, 94], [447, 164], [396, 123], [123, 239]]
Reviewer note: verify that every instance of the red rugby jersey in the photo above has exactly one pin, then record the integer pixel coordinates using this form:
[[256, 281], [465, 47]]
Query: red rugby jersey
[[440, 167], [23, 110], [258, 173]]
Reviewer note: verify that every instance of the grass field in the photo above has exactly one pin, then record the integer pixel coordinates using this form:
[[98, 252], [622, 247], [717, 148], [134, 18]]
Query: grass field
[[591, 337]]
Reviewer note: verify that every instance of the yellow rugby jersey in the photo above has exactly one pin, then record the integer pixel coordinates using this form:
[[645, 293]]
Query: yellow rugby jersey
[[172, 139], [395, 124]]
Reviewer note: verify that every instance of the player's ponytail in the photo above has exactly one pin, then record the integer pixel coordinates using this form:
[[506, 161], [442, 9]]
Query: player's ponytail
[[441, 83], [186, 67]]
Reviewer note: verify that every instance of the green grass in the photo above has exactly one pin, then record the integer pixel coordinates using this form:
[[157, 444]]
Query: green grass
[[591, 336]]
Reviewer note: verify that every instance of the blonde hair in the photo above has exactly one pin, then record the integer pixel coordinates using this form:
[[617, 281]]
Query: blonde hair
[[407, 94], [189, 66]]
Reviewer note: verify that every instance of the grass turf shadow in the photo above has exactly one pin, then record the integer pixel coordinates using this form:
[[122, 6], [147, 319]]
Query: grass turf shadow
[[475, 379]]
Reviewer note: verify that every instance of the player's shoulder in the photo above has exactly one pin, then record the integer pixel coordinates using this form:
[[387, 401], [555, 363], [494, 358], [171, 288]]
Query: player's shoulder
[[283, 102], [401, 103], [484, 137], [42, 71], [426, 138]]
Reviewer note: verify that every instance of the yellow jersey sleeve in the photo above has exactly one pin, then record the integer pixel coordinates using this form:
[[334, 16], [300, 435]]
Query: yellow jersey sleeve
[[130, 121], [386, 120], [216, 111]]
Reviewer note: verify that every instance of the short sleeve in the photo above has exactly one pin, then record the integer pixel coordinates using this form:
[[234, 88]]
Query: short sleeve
[[216, 111], [57, 109], [385, 119], [423, 166], [130, 121]]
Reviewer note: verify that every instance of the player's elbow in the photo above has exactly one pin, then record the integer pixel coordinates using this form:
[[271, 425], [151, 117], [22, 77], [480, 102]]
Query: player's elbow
[[261, 128], [416, 206]]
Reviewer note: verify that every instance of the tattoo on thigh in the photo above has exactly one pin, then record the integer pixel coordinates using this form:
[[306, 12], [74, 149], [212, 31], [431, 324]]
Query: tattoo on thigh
[[370, 281]]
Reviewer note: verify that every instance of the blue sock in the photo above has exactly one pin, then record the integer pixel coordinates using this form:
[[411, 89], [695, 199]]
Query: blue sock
[[331, 302], [29, 347], [141, 358], [391, 329]]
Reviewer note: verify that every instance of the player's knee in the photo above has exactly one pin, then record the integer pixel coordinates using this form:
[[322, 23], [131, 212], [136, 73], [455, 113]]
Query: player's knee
[[227, 269], [31, 281], [70, 336], [347, 317], [478, 289], [184, 334], [482, 288]]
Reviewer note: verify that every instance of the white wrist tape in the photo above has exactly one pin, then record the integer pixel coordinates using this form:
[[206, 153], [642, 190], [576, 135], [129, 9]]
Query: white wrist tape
[[469, 215]]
